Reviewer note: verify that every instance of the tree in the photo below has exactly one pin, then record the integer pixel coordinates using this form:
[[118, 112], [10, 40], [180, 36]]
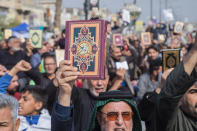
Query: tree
[[57, 20]]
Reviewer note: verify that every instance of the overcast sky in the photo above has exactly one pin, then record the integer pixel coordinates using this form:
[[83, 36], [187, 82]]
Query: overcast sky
[[183, 9]]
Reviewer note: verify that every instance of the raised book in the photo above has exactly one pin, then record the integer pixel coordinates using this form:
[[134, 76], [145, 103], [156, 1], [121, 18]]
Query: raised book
[[178, 27], [117, 39], [85, 47], [170, 58], [59, 53], [146, 38], [35, 38], [7, 33]]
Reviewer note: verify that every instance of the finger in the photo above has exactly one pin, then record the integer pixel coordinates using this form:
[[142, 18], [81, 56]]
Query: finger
[[65, 62], [68, 79], [68, 74], [67, 68], [58, 74]]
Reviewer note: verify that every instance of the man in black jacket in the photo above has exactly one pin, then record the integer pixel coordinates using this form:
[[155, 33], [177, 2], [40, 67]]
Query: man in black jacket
[[176, 105]]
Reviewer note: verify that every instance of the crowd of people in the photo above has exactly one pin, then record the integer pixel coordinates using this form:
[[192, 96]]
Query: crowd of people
[[37, 95]]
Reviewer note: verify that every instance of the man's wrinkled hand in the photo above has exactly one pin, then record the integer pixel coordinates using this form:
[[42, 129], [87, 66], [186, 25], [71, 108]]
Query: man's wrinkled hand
[[66, 76]]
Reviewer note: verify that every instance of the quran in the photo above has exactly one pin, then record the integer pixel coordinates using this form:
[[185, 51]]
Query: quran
[[85, 47], [170, 58], [36, 38], [117, 39], [146, 38]]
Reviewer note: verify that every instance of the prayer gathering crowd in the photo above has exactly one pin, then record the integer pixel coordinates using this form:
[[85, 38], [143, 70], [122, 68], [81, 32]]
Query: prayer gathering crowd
[[38, 95]]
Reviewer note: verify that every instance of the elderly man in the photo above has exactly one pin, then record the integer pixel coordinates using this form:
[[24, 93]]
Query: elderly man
[[83, 100], [115, 112], [8, 113]]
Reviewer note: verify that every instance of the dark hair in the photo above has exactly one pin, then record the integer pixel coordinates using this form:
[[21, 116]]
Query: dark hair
[[38, 93], [154, 47], [63, 31], [154, 64], [10, 38], [48, 55]]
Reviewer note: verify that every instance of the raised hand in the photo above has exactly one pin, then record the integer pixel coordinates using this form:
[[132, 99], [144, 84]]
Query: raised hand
[[29, 49], [120, 73], [3, 70], [23, 66], [66, 76], [20, 66]]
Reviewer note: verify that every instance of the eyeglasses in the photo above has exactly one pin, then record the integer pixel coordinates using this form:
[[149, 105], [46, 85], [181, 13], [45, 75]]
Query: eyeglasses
[[112, 116]]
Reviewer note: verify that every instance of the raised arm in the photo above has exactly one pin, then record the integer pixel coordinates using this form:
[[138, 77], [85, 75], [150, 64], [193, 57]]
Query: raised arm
[[176, 85], [66, 75], [5, 79], [61, 116]]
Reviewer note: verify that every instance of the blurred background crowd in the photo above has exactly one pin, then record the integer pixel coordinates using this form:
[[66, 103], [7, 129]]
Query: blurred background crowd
[[36, 67]]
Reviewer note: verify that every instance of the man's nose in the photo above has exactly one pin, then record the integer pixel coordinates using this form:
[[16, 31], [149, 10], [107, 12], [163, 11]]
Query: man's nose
[[99, 82], [119, 120]]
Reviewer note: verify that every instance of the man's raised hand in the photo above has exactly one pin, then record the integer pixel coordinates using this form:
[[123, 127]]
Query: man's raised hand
[[66, 76]]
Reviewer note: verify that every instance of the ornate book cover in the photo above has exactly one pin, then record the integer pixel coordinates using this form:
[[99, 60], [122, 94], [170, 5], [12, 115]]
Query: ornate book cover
[[175, 41], [178, 27], [85, 47], [146, 38], [35, 38], [7, 33], [117, 39], [170, 58]]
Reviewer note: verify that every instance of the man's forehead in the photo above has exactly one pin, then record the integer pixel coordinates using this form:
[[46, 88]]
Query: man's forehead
[[193, 86], [26, 94], [15, 78], [5, 114], [117, 106]]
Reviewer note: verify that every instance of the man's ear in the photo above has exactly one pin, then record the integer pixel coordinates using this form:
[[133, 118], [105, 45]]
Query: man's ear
[[38, 105], [17, 124]]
